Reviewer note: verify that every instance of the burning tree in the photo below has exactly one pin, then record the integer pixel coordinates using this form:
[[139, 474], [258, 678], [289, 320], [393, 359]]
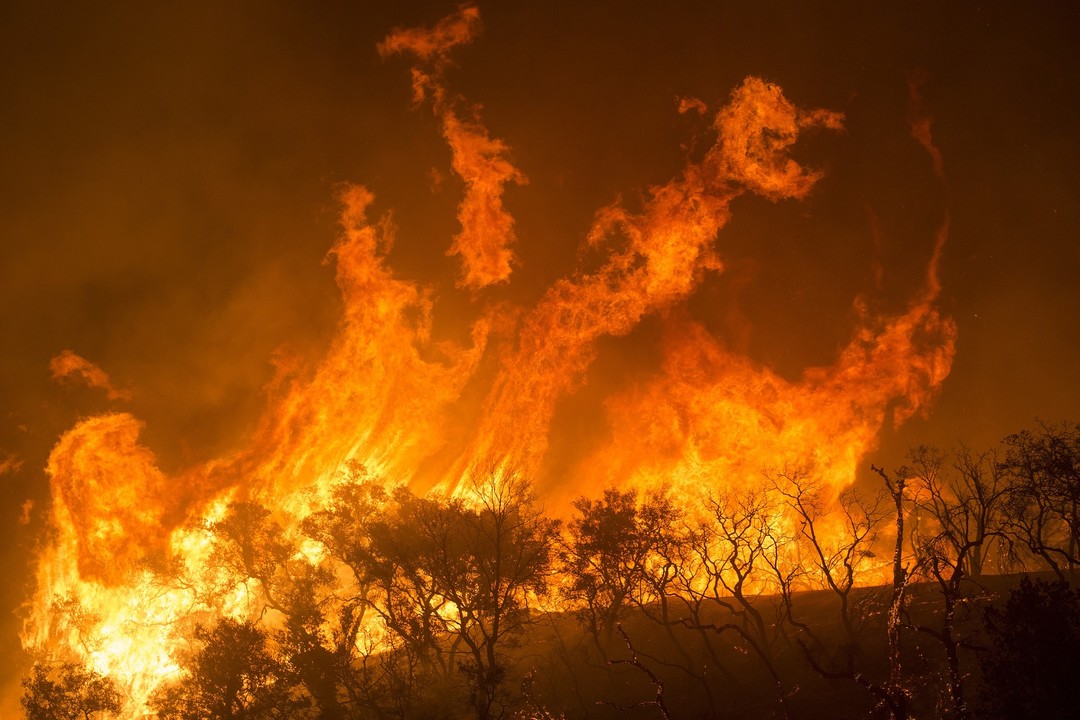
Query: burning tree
[[356, 594], [609, 544]]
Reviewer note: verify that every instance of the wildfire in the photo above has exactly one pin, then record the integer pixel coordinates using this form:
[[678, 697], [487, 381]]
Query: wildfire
[[129, 564]]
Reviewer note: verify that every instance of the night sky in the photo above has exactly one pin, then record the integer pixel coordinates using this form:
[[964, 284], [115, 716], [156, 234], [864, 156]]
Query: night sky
[[170, 175]]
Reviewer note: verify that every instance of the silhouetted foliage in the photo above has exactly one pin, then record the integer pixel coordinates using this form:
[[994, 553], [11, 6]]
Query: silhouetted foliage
[[231, 676], [495, 558], [1031, 671], [608, 543], [1044, 473], [251, 545], [746, 604], [69, 692]]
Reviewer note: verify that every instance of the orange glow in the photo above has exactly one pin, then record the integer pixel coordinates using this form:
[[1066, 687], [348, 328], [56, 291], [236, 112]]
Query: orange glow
[[67, 366], [130, 561], [9, 463]]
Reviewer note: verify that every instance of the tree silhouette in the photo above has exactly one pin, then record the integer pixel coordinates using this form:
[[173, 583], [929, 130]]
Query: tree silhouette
[[323, 634], [232, 676], [724, 568], [251, 545], [1044, 471], [840, 543], [453, 578], [496, 557], [959, 516], [405, 544], [608, 545], [69, 692]]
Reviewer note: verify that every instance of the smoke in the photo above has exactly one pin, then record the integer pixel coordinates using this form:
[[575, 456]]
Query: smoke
[[9, 463], [922, 123], [69, 367], [434, 45]]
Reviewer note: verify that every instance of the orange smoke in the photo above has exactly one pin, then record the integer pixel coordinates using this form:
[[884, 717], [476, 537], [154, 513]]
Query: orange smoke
[[67, 367], [922, 130], [434, 45], [921, 123], [9, 463]]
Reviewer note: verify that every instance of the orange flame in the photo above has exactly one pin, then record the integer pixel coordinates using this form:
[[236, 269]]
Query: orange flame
[[105, 516], [482, 162], [387, 396], [666, 249]]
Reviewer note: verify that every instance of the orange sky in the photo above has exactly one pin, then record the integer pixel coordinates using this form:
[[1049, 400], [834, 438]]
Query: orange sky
[[170, 178]]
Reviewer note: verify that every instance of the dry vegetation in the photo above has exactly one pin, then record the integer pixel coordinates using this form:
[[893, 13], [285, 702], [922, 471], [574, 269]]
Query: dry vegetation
[[783, 602]]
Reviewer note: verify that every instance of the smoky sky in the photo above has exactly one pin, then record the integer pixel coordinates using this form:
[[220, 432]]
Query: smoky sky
[[169, 174]]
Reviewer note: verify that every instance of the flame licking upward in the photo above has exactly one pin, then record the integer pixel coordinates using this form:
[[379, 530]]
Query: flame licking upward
[[389, 397], [481, 161]]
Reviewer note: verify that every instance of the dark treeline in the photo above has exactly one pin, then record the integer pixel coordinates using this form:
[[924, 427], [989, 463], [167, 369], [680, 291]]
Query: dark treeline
[[898, 601]]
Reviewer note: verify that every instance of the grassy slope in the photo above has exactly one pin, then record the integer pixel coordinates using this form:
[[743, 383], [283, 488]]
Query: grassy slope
[[569, 673]]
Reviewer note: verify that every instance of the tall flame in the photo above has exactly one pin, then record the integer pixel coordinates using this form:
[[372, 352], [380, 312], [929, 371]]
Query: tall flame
[[388, 396], [482, 162]]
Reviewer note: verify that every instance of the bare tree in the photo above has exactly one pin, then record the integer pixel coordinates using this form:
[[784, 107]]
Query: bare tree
[[840, 543], [740, 525], [903, 570], [961, 513], [728, 568], [1044, 471], [962, 510]]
